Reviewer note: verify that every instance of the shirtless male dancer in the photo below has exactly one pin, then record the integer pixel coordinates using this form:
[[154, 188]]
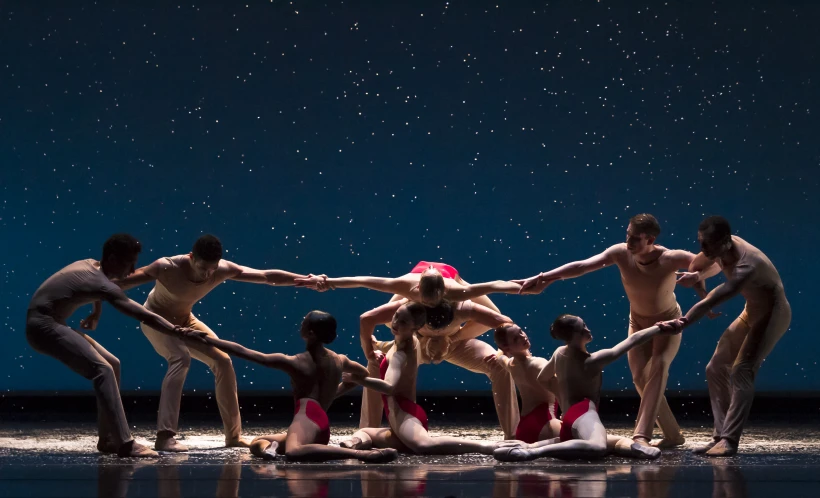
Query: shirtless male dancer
[[580, 373], [315, 376], [648, 275], [749, 339], [84, 282], [442, 290], [181, 281]]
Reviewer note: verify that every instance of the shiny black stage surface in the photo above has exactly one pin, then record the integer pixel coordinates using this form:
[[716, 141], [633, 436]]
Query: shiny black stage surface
[[56, 458]]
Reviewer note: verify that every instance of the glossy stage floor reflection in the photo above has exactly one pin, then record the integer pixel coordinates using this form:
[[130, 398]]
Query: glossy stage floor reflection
[[776, 460]]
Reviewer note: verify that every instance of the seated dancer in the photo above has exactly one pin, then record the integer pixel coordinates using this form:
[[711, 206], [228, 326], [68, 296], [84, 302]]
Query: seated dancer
[[536, 384], [582, 434], [84, 282], [315, 377], [442, 338], [427, 283], [408, 421]]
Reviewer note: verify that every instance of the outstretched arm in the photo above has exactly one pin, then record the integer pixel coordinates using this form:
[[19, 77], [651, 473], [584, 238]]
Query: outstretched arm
[[719, 295], [142, 275], [538, 283], [388, 285], [699, 269], [370, 320], [267, 277], [117, 298], [479, 319], [599, 359], [472, 291], [272, 360]]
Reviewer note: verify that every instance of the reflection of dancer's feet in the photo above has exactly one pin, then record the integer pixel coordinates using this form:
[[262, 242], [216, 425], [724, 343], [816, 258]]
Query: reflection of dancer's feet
[[724, 448], [700, 450], [133, 449], [667, 443], [166, 442]]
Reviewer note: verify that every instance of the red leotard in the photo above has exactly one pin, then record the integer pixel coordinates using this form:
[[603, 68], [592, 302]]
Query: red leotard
[[317, 415], [569, 418], [447, 271]]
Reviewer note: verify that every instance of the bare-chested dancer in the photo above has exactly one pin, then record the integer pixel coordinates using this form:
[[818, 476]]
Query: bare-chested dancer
[[397, 383], [80, 283], [536, 385], [315, 377], [181, 281], [749, 339], [648, 275], [443, 338], [579, 373]]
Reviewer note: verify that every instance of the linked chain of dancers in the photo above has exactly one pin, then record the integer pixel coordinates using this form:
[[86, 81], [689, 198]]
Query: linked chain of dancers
[[434, 315]]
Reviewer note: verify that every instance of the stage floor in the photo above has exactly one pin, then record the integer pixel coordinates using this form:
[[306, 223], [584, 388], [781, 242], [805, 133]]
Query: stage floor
[[53, 459]]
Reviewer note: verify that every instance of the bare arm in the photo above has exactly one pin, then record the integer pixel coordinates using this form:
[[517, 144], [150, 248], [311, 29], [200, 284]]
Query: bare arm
[[267, 277], [705, 267], [547, 374], [482, 318], [719, 295], [278, 361], [370, 320], [142, 275], [471, 291], [578, 268], [388, 285], [355, 369], [599, 359], [391, 377]]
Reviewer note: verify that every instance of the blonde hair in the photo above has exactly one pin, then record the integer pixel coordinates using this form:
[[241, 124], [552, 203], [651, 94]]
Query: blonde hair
[[431, 285]]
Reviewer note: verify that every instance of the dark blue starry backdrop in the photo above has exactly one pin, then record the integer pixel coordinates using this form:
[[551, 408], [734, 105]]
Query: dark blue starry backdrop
[[356, 138]]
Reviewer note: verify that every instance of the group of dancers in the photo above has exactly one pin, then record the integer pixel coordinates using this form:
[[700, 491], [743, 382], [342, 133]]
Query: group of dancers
[[434, 315]]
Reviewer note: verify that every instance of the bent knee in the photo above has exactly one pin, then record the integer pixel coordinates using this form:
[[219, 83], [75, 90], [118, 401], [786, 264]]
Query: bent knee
[[179, 361]]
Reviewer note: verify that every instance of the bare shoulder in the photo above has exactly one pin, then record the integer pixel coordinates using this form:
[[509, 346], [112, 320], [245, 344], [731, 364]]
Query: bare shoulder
[[617, 252], [675, 256]]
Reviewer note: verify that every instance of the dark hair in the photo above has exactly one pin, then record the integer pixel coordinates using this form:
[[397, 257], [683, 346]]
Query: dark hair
[[646, 224], [500, 334], [564, 327], [207, 248], [441, 315], [715, 228], [121, 246], [322, 324], [418, 313], [431, 284]]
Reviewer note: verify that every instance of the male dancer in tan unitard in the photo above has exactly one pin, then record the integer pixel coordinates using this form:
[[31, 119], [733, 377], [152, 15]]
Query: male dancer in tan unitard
[[648, 275], [80, 283], [181, 281], [749, 339]]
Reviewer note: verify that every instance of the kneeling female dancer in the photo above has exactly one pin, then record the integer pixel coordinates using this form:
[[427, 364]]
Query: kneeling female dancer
[[315, 378], [408, 421], [579, 375]]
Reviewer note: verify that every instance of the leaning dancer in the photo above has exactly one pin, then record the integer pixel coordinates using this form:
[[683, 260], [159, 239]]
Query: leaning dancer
[[648, 275], [749, 339], [536, 385], [315, 377], [582, 435], [181, 281], [80, 283], [408, 421]]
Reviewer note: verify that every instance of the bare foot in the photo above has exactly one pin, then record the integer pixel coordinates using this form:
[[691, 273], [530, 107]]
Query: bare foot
[[136, 450], [724, 448], [642, 450], [667, 443], [700, 450], [237, 443], [382, 455], [169, 444], [107, 446], [353, 443]]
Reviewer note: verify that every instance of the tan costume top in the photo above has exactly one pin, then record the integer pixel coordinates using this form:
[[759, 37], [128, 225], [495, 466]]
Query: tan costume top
[[764, 288], [649, 287], [80, 283], [174, 294]]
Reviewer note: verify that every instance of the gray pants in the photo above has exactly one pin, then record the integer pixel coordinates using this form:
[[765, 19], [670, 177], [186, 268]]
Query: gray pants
[[86, 357]]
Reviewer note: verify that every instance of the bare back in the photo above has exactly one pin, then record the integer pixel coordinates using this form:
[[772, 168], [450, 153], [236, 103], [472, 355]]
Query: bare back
[[650, 287], [525, 371], [174, 294], [575, 380], [764, 288], [79, 283], [316, 377], [406, 386]]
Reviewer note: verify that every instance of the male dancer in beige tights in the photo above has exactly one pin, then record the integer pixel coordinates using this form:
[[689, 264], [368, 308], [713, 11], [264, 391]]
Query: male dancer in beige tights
[[749, 339], [181, 281], [648, 275]]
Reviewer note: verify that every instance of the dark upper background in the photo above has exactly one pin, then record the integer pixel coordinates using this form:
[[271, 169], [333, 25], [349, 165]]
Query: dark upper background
[[356, 138]]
